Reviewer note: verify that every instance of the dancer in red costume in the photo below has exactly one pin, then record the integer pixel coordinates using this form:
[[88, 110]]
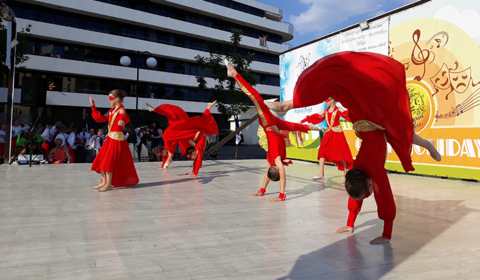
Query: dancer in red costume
[[372, 88], [334, 147], [174, 114], [272, 125], [114, 161], [184, 131]]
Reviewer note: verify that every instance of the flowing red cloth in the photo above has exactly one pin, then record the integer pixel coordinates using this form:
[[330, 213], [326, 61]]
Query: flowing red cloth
[[276, 142], [46, 147], [372, 87], [172, 112], [115, 155], [72, 154], [334, 146], [183, 131], [200, 148]]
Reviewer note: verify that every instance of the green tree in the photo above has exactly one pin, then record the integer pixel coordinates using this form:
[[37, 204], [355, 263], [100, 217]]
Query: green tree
[[21, 53], [224, 91]]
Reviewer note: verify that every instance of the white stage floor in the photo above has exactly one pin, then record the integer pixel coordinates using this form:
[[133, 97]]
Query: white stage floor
[[55, 226]]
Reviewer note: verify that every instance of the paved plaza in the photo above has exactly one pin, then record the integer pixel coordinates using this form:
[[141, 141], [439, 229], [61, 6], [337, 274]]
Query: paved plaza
[[55, 226]]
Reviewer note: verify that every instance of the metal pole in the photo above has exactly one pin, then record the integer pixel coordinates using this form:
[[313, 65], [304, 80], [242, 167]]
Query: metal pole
[[138, 77], [11, 85]]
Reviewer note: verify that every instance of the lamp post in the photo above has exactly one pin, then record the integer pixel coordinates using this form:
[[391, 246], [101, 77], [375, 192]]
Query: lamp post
[[126, 61], [8, 15]]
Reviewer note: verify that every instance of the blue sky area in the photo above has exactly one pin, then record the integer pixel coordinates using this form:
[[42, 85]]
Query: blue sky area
[[315, 18]]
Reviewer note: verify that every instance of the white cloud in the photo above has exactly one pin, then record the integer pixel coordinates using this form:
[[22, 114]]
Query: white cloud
[[323, 14], [468, 19]]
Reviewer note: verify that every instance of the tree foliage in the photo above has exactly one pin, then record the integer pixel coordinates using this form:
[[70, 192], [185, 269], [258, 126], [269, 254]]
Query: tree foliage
[[21, 52], [224, 90]]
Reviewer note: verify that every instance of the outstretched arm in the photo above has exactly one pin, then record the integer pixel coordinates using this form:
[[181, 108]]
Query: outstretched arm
[[283, 180], [96, 115], [266, 180], [315, 118]]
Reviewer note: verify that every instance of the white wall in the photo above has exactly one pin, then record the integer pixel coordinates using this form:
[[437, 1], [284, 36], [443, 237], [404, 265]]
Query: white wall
[[101, 40]]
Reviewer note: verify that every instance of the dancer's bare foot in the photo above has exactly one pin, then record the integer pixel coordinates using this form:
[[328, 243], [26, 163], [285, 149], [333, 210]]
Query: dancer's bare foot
[[379, 240], [191, 174], [257, 194], [105, 188], [101, 185], [231, 72], [433, 152], [275, 199], [345, 229], [210, 105], [150, 108], [319, 177]]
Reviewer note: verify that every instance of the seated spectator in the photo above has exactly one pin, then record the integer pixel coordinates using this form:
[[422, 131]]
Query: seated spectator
[[34, 149], [47, 138], [72, 143], [143, 134], [37, 137], [59, 154], [88, 154]]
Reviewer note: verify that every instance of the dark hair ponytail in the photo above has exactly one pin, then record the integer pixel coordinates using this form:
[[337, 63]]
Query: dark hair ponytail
[[118, 93]]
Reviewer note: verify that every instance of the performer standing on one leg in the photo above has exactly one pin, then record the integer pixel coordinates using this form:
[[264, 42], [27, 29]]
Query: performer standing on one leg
[[174, 114], [276, 140], [114, 161], [334, 147], [372, 88]]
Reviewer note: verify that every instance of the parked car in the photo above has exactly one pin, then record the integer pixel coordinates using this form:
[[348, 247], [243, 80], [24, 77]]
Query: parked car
[[223, 133]]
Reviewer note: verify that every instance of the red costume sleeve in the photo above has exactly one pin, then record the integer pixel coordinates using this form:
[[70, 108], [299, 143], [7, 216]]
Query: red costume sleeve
[[314, 119], [344, 115], [122, 117], [354, 207], [200, 148], [97, 116], [290, 126], [371, 159]]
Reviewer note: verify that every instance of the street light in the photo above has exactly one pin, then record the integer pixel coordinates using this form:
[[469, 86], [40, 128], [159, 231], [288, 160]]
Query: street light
[[8, 15], [126, 61]]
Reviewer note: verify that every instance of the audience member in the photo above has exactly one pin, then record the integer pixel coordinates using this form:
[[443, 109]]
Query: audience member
[[59, 154]]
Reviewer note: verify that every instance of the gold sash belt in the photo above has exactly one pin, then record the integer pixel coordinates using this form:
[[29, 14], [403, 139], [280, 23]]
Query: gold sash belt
[[337, 128], [116, 135], [364, 125]]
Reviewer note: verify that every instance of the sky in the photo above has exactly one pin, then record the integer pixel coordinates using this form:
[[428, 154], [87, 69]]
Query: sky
[[315, 18]]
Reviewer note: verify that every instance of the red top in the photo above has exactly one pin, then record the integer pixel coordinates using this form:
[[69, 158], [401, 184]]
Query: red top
[[113, 124], [172, 112]]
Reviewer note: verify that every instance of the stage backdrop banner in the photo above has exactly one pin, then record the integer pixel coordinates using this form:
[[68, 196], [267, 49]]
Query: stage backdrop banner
[[438, 43], [293, 63]]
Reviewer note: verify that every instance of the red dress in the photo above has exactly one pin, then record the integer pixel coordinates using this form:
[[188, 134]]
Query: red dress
[[372, 87], [276, 142], [192, 129], [334, 147], [174, 114], [115, 155]]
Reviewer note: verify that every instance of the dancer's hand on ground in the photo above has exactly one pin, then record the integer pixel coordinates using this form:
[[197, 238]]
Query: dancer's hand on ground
[[210, 105], [275, 199], [150, 108], [231, 72], [379, 240], [92, 103], [257, 194], [345, 229]]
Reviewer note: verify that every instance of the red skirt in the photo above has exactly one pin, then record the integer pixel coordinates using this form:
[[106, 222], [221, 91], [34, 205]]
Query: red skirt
[[72, 154], [115, 157], [46, 147], [334, 148]]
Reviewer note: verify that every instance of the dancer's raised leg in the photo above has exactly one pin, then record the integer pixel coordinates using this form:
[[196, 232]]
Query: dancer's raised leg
[[417, 140]]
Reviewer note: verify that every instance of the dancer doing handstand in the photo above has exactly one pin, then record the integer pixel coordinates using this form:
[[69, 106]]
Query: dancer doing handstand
[[114, 161], [272, 125], [372, 87], [333, 147]]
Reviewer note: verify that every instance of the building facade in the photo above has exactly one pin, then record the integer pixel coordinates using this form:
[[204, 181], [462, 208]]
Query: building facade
[[78, 45]]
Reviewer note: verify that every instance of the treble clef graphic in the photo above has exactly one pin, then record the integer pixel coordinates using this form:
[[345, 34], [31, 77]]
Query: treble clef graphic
[[422, 59]]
